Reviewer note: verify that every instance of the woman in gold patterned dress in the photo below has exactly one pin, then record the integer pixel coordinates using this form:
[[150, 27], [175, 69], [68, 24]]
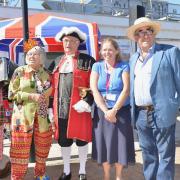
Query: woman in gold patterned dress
[[30, 88]]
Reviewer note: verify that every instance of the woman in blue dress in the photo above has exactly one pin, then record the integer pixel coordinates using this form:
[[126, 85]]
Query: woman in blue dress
[[112, 132]]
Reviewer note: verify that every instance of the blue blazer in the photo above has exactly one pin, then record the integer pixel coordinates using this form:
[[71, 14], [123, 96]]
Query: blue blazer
[[165, 84]]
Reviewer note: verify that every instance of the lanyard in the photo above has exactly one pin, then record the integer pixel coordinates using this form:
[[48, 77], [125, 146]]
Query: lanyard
[[108, 77]]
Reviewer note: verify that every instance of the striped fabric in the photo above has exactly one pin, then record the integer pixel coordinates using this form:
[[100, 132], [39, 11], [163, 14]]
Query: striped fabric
[[20, 149], [43, 143]]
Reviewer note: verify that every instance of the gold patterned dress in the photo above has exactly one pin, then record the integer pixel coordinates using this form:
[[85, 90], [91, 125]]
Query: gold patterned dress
[[29, 119]]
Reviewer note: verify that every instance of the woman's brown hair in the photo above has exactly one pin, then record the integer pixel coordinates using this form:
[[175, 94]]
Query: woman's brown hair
[[114, 44]]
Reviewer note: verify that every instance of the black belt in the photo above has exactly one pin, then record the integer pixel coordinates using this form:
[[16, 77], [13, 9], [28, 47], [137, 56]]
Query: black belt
[[147, 108]]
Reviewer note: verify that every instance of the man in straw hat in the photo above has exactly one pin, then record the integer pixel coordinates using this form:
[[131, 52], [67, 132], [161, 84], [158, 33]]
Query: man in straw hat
[[72, 99], [155, 98]]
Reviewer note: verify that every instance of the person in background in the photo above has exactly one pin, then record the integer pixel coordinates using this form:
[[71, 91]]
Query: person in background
[[72, 100], [7, 68], [155, 98], [112, 132], [29, 89]]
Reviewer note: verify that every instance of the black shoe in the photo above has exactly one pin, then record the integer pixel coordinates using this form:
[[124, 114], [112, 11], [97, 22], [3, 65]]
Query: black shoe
[[82, 177], [65, 177]]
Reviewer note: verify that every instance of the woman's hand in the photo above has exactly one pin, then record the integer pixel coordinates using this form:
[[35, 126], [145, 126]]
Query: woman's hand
[[110, 115], [35, 97]]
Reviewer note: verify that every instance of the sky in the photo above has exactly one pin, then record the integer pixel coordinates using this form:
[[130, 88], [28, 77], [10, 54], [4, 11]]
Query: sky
[[37, 3], [174, 1]]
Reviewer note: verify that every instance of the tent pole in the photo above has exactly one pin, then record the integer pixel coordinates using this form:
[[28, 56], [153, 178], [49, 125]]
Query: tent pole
[[25, 19], [24, 5]]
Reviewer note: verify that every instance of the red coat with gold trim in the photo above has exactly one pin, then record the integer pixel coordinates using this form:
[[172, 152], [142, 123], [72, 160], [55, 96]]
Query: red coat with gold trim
[[79, 124]]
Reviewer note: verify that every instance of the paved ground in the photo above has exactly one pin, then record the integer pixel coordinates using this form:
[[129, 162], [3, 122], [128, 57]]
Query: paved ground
[[94, 171]]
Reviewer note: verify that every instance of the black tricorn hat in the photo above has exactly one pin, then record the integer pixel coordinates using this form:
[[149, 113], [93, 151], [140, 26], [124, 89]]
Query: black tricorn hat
[[71, 31]]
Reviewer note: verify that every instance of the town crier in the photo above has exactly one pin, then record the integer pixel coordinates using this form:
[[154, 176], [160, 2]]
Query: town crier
[[72, 99]]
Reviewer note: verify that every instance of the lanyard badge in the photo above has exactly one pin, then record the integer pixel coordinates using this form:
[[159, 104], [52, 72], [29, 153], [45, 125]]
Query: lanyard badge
[[109, 96]]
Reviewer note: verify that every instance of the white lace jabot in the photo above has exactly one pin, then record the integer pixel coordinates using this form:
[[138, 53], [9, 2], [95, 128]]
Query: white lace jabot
[[67, 66]]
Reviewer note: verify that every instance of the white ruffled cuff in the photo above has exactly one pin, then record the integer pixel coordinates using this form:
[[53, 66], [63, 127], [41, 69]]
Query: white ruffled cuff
[[82, 106]]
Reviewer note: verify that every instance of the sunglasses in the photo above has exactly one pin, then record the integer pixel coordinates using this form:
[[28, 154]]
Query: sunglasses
[[142, 33]]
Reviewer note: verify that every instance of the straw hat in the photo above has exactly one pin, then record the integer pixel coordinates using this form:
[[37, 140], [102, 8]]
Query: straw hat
[[142, 22], [71, 31]]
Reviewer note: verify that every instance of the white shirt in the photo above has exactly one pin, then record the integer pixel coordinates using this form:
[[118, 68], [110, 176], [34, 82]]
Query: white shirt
[[67, 66], [142, 80]]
